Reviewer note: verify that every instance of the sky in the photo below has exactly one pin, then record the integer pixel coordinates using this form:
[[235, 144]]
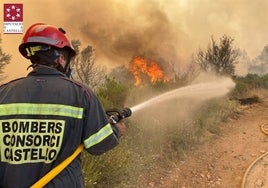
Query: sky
[[168, 31]]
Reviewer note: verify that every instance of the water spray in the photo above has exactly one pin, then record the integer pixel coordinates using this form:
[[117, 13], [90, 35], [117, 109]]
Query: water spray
[[201, 91]]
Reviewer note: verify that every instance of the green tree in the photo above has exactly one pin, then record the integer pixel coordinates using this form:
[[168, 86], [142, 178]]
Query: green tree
[[218, 58], [113, 93], [4, 60]]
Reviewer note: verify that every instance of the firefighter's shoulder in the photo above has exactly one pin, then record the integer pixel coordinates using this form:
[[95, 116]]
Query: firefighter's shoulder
[[11, 81]]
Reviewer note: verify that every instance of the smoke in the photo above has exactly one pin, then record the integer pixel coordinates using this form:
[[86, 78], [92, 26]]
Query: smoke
[[242, 67], [260, 64], [166, 31], [119, 30]]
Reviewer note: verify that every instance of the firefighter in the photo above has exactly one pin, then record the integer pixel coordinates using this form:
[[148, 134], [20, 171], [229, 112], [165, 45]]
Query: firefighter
[[46, 115]]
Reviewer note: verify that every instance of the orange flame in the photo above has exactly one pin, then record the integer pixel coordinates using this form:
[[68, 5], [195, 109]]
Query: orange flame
[[149, 68]]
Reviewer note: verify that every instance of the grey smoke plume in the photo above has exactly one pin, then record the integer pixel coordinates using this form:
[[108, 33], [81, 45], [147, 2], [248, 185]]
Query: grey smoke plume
[[260, 64], [119, 31], [167, 31]]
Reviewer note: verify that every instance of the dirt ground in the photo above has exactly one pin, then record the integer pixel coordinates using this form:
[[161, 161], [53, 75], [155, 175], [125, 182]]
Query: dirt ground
[[223, 161]]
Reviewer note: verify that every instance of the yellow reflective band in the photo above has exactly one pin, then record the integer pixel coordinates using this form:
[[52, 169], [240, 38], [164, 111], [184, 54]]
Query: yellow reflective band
[[98, 136], [41, 109], [31, 50]]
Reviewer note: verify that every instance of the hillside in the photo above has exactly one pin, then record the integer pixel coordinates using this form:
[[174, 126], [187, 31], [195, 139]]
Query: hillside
[[223, 160]]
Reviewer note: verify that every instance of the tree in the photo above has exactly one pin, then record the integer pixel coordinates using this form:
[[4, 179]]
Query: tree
[[113, 93], [219, 58], [4, 60], [85, 68]]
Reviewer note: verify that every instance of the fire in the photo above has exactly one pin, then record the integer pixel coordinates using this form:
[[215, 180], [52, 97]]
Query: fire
[[140, 65]]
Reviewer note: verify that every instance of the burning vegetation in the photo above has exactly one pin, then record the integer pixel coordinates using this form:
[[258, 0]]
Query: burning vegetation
[[144, 69]]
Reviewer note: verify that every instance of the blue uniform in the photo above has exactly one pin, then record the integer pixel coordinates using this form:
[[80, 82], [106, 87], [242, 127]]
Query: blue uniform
[[43, 119]]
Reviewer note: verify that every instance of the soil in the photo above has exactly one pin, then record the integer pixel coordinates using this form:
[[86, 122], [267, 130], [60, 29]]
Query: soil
[[222, 162]]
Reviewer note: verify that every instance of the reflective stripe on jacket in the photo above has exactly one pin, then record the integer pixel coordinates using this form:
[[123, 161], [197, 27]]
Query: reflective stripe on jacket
[[43, 119]]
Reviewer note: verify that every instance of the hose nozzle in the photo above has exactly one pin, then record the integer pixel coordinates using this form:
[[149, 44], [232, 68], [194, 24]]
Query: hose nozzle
[[116, 115]]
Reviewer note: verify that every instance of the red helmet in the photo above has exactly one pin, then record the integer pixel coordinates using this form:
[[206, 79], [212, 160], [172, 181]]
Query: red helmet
[[41, 33]]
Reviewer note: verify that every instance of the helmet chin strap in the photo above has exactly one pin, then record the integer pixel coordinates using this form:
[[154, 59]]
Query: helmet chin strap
[[67, 68], [69, 72]]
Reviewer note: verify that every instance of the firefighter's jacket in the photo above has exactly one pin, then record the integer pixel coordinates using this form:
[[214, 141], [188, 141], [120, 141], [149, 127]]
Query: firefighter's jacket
[[43, 119]]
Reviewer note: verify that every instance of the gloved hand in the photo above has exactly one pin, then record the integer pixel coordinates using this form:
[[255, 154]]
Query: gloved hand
[[121, 127]]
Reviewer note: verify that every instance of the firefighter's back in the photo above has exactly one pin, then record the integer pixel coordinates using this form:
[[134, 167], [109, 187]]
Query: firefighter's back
[[40, 125]]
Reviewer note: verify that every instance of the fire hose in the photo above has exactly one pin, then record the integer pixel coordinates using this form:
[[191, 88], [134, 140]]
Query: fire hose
[[264, 130], [114, 116]]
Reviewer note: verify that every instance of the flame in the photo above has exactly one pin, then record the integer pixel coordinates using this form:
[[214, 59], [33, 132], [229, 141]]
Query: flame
[[151, 69]]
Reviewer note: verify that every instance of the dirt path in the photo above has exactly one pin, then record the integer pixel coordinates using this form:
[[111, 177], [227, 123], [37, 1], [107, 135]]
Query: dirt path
[[222, 162]]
